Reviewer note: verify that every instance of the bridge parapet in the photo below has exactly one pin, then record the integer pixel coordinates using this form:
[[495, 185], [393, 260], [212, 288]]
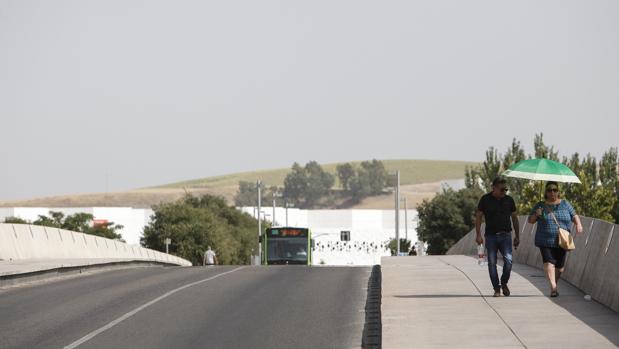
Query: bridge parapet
[[32, 242]]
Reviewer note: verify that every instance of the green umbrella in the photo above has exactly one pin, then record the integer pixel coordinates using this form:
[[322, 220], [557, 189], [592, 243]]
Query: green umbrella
[[542, 170]]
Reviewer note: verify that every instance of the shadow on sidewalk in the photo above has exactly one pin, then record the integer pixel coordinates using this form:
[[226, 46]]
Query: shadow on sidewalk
[[597, 316]]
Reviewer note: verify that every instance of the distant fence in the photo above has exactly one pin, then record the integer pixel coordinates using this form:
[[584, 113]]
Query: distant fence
[[25, 241], [593, 267]]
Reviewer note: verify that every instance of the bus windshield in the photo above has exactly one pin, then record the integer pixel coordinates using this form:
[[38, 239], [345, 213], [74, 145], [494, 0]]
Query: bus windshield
[[287, 251]]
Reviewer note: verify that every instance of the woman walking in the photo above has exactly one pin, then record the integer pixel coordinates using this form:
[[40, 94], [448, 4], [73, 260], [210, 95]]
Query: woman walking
[[547, 214]]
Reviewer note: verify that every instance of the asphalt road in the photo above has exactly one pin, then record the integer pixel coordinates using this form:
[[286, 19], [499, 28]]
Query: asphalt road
[[216, 307]]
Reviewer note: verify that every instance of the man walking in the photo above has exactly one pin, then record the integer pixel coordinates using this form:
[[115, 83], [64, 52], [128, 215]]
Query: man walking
[[499, 212], [210, 257]]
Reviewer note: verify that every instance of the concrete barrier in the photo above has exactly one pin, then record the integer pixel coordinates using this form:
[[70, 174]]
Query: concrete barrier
[[30, 242], [591, 267]]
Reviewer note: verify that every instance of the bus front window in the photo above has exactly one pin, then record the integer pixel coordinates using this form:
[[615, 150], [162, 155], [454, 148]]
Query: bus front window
[[287, 250]]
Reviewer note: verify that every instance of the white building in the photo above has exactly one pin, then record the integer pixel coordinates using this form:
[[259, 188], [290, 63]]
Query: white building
[[370, 231]]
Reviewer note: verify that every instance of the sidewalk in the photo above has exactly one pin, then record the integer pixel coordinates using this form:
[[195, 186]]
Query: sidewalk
[[429, 302]]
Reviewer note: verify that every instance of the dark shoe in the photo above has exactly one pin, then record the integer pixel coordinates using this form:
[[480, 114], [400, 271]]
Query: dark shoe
[[506, 292], [554, 293], [497, 293]]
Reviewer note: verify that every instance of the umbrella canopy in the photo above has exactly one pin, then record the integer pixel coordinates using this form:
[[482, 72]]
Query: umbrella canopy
[[542, 170]]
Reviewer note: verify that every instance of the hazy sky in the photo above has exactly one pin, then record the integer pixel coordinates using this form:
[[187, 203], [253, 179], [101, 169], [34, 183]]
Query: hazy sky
[[151, 92]]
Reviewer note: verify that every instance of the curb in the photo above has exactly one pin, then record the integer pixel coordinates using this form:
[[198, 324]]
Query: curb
[[53, 273], [373, 328]]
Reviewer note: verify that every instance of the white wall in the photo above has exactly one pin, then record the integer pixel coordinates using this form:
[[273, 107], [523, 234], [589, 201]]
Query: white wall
[[133, 220], [32, 242], [365, 224]]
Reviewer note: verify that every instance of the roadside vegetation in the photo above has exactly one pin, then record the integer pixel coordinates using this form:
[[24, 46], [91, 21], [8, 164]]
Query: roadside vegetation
[[449, 215], [194, 223]]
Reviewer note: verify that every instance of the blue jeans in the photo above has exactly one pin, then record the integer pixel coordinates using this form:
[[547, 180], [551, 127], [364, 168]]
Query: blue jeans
[[499, 242]]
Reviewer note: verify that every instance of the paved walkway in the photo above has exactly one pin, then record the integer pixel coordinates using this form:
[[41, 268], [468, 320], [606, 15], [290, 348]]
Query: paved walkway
[[435, 301]]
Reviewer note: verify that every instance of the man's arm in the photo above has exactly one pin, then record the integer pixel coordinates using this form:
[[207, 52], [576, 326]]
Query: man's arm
[[516, 229], [478, 238]]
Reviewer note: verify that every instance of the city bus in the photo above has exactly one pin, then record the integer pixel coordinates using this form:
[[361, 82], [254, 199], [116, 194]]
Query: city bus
[[287, 245]]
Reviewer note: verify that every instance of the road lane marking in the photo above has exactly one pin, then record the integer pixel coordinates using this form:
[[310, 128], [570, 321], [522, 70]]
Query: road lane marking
[[96, 332]]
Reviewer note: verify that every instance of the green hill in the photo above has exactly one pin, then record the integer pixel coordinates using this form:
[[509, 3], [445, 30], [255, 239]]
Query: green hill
[[411, 172], [418, 178]]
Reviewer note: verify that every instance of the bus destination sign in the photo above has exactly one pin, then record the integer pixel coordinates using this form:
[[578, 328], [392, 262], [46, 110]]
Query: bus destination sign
[[286, 232]]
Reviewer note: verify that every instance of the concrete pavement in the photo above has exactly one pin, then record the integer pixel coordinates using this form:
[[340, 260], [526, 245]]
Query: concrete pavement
[[446, 301]]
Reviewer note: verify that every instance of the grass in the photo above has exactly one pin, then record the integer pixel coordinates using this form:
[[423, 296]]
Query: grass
[[411, 172]]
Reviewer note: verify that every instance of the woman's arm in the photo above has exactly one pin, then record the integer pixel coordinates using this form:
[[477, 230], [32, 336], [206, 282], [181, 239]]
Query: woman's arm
[[535, 215], [575, 218], [577, 223]]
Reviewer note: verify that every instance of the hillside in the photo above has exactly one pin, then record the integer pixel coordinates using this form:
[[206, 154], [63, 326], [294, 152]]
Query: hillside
[[419, 179], [411, 172]]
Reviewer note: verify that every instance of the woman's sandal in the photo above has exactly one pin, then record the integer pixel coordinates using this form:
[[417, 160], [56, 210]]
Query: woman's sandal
[[554, 293]]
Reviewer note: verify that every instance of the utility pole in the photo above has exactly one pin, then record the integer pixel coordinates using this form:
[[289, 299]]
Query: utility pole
[[397, 212], [405, 219], [286, 204], [273, 209], [258, 185]]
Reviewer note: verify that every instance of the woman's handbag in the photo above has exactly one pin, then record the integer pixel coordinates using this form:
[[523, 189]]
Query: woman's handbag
[[566, 241]]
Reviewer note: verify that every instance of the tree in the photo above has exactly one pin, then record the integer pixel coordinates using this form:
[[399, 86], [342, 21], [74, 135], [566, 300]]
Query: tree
[[377, 175], [345, 172], [50, 222], [593, 197], [447, 218], [194, 223], [15, 220], [319, 183], [542, 150], [609, 177], [360, 186], [596, 197], [482, 176], [405, 246], [246, 195], [295, 185], [307, 186], [369, 179], [80, 222]]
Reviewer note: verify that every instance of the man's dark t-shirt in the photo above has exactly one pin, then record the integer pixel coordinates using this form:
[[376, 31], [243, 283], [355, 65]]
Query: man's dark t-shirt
[[497, 212]]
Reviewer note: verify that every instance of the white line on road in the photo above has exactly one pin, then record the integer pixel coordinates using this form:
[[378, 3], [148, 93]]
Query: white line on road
[[94, 333]]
